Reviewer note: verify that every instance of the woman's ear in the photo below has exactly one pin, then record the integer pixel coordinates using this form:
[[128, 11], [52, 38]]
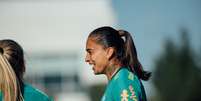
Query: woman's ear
[[110, 52]]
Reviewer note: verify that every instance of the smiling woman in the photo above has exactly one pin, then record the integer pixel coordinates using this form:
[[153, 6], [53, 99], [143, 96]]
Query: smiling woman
[[112, 52]]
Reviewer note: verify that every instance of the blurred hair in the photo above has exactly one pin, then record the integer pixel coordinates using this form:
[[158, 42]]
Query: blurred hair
[[12, 68]]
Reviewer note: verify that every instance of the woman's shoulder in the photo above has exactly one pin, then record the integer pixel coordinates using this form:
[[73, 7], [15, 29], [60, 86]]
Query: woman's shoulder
[[35, 94], [126, 79], [0, 95], [127, 85], [125, 76]]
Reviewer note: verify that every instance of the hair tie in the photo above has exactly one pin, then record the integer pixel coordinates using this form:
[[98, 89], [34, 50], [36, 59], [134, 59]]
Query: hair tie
[[122, 34]]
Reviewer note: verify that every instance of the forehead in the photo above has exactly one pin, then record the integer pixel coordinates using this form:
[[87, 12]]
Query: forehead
[[92, 44]]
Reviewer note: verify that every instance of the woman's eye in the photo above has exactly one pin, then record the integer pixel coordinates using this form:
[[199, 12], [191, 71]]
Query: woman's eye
[[89, 52]]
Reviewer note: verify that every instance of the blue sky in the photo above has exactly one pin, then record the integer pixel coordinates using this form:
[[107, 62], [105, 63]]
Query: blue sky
[[152, 21]]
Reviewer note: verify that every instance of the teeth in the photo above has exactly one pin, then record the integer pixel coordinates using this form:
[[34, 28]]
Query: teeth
[[91, 64]]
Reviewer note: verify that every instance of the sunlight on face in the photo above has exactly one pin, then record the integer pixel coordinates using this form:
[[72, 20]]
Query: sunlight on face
[[96, 56]]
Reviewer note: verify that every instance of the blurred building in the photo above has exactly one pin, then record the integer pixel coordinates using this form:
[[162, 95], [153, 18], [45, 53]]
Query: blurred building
[[53, 34]]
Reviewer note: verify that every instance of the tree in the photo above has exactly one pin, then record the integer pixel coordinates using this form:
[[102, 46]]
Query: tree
[[177, 76]]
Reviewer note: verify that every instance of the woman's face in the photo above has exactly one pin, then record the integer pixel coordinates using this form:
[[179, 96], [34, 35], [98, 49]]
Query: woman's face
[[96, 56]]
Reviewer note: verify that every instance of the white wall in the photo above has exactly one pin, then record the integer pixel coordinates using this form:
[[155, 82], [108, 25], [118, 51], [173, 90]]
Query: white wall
[[44, 26]]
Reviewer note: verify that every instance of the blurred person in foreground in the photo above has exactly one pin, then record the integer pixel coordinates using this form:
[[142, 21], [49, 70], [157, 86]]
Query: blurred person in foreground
[[12, 68], [112, 52]]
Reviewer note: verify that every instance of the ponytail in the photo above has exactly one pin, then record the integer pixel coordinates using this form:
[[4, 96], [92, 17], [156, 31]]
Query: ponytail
[[8, 80], [131, 58]]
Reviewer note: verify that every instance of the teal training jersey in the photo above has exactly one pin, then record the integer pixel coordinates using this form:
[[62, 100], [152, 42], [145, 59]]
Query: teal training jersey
[[32, 94], [124, 86]]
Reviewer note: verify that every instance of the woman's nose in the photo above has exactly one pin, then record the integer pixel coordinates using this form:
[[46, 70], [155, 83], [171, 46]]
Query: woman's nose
[[87, 58]]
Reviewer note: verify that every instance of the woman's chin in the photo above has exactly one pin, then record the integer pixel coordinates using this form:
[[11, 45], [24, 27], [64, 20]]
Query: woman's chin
[[96, 72]]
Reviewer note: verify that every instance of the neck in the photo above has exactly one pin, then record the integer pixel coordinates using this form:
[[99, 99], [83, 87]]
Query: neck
[[111, 70]]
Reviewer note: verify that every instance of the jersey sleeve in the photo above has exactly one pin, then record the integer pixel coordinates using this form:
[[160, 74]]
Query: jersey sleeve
[[125, 93], [1, 97], [127, 90]]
